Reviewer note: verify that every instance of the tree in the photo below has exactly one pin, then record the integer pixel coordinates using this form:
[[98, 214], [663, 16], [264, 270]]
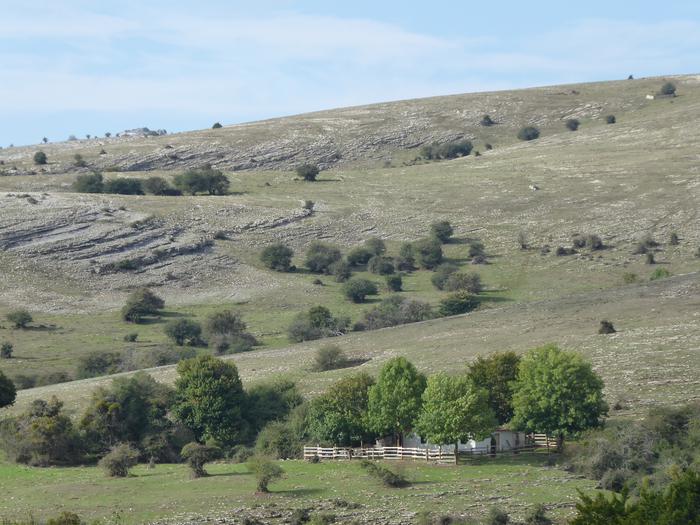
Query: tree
[[6, 349], [89, 183], [557, 393], [329, 357], [119, 460], [441, 274], [265, 471], [40, 158], [140, 303], [375, 245], [341, 270], [44, 140], [395, 400], [216, 125], [528, 133], [316, 323], [487, 121], [8, 392], [469, 282], [428, 252], [279, 439], [277, 257], [606, 327], [357, 289], [395, 310], [442, 231], [320, 256], [459, 302], [454, 409], [406, 261], [79, 161], [203, 180], [495, 373], [668, 89], [159, 186], [209, 399], [337, 417], [308, 172], [96, 363], [572, 124], [20, 317], [359, 256], [380, 265], [610, 119], [184, 331], [108, 134], [123, 186], [271, 401], [394, 283], [197, 455]]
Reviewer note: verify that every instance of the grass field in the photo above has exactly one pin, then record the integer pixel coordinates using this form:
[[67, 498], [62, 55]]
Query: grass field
[[167, 491]]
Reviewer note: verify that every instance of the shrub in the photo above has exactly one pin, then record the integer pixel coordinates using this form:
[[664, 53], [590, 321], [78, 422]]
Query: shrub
[[40, 158], [308, 172], [441, 274], [329, 357], [316, 323], [119, 460], [65, 518], [673, 239], [6, 350], [184, 331], [458, 303], [88, 183], [397, 310], [428, 252], [216, 125], [52, 378], [606, 327], [572, 124], [610, 119], [265, 471], [497, 516], [159, 186], [278, 440], [470, 282], [123, 186], [388, 477], [442, 231], [476, 249], [380, 265], [659, 273], [359, 256], [277, 257], [79, 161], [203, 180], [394, 283], [630, 278], [8, 392], [320, 256], [406, 261], [375, 245], [487, 121], [357, 289], [668, 89], [140, 303], [341, 271], [522, 240], [98, 363], [537, 516], [131, 338], [650, 258], [644, 244], [528, 133], [20, 317], [197, 455]]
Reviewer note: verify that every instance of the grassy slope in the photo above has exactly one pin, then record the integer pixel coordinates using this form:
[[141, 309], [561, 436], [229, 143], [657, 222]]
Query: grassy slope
[[523, 482]]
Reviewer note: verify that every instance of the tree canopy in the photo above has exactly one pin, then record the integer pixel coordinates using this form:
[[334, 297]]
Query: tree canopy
[[495, 373]]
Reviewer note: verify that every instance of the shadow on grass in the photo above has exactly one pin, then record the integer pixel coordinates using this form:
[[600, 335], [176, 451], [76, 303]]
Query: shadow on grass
[[39, 328], [297, 493], [350, 363]]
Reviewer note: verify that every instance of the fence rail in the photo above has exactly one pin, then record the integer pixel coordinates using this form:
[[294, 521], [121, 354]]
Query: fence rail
[[390, 453]]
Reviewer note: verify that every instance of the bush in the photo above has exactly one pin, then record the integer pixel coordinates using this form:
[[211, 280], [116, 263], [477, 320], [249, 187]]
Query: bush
[[265, 471], [131, 338], [20, 317], [357, 289], [469, 282], [528, 133], [458, 303], [184, 331], [278, 440], [40, 158], [606, 327], [329, 357], [79, 161], [441, 274], [630, 278], [216, 125], [308, 172], [123, 186], [159, 186], [476, 249], [537, 516], [428, 252], [650, 258], [203, 180], [388, 477], [380, 265], [197, 455], [316, 323], [394, 283], [659, 273], [397, 310], [341, 271], [8, 392], [497, 516], [89, 183], [65, 518], [375, 245], [673, 239], [6, 350], [320, 256], [406, 261], [98, 363], [610, 119], [668, 89], [359, 256], [442, 231], [141, 303], [119, 460], [487, 121], [572, 124], [277, 257]]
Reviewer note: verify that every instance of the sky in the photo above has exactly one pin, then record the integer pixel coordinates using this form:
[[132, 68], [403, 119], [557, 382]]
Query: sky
[[90, 66]]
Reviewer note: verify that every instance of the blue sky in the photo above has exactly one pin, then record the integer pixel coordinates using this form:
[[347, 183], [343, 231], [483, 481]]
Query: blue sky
[[79, 66]]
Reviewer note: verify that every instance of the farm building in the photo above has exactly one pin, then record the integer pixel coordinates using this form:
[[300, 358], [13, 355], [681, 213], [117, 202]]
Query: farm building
[[501, 440]]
